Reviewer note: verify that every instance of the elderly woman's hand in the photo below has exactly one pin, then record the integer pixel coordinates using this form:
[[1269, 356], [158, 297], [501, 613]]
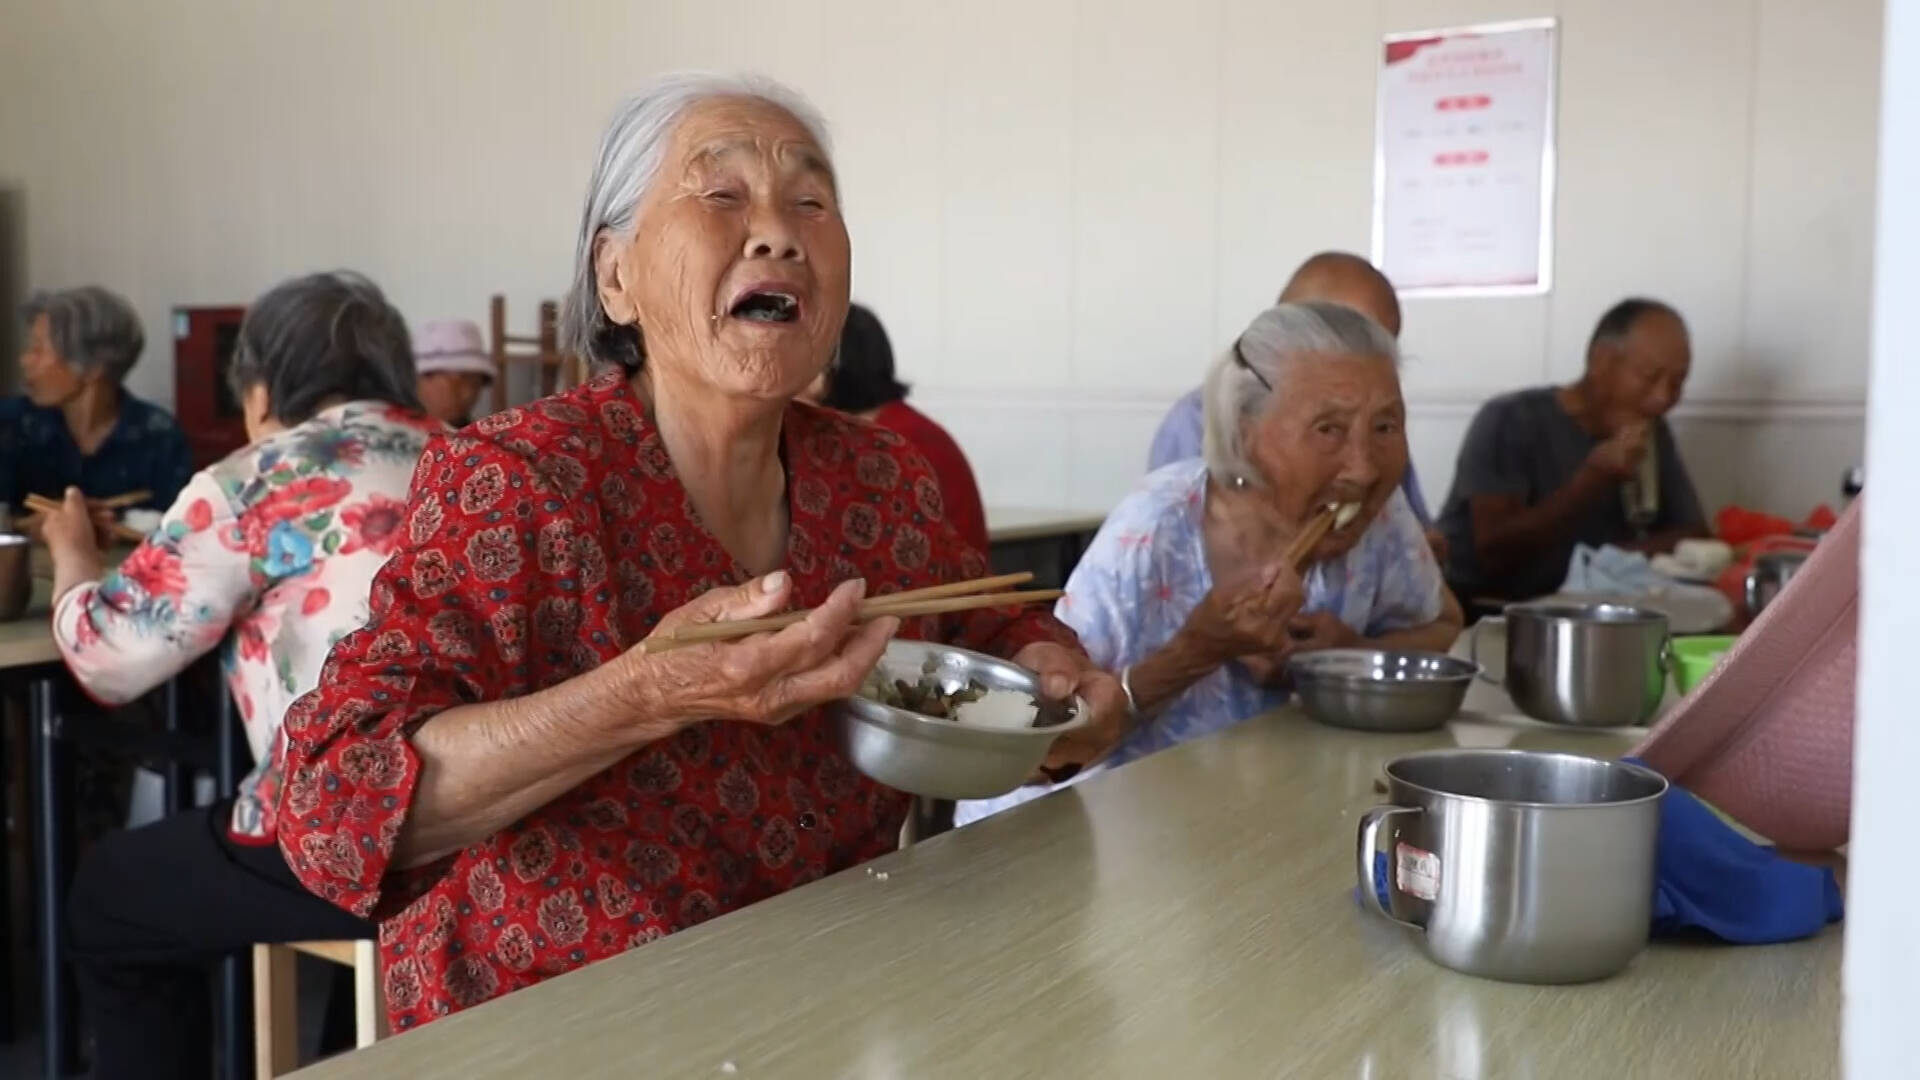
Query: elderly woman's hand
[[1247, 618], [1065, 673], [767, 678], [73, 536]]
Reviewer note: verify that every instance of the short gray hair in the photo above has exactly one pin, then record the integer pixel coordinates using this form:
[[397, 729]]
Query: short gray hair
[[632, 150], [1245, 379], [92, 329]]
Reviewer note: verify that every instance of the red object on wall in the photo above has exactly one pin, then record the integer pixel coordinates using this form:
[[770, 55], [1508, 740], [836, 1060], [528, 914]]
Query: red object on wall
[[203, 341]]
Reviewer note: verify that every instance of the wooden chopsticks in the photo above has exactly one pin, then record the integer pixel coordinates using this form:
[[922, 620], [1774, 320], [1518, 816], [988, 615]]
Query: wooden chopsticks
[[933, 600], [1316, 530], [40, 504], [121, 501]]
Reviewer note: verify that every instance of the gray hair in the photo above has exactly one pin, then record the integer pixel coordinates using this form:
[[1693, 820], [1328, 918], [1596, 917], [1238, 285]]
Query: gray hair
[[1246, 378], [632, 150], [93, 330], [323, 338]]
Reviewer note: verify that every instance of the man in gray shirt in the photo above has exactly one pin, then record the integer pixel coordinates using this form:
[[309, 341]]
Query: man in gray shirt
[[1545, 469]]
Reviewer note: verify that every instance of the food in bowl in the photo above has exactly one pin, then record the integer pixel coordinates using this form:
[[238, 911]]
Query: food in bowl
[[972, 703], [966, 755]]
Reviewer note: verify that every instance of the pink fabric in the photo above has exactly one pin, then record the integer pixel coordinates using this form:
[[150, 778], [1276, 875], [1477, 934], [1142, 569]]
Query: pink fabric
[[1768, 737]]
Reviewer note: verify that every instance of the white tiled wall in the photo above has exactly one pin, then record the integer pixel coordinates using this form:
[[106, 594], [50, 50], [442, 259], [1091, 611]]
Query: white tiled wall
[[1061, 208]]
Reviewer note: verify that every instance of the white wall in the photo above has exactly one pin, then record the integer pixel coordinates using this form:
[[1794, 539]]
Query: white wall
[[1060, 208], [1882, 1042]]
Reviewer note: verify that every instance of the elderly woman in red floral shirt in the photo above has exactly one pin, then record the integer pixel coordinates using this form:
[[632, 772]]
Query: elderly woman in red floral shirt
[[489, 767]]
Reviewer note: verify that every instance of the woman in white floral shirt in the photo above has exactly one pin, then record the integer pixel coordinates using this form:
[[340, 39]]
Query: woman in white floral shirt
[[268, 555]]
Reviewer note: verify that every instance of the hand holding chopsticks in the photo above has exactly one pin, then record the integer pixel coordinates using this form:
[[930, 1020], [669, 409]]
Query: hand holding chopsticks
[[97, 509], [933, 600]]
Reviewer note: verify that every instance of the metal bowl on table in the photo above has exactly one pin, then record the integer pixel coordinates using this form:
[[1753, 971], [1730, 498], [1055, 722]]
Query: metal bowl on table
[[1381, 690], [16, 576], [941, 758]]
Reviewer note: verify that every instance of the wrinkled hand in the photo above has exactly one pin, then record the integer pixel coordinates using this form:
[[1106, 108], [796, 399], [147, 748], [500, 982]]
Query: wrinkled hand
[[76, 529], [763, 679], [1320, 630], [1306, 633], [1247, 618], [1063, 674], [1619, 456]]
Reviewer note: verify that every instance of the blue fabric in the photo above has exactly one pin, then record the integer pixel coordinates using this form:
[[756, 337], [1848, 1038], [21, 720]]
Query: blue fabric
[[145, 451], [1710, 880], [1713, 880], [1178, 439]]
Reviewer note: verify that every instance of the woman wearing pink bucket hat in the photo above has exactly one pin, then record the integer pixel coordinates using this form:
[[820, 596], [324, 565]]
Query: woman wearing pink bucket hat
[[1768, 737], [451, 360]]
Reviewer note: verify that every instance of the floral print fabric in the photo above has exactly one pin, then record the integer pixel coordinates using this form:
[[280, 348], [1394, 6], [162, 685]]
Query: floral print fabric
[[271, 552], [540, 543]]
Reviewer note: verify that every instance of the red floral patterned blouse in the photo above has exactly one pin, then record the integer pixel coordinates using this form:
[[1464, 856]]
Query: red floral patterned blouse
[[539, 543]]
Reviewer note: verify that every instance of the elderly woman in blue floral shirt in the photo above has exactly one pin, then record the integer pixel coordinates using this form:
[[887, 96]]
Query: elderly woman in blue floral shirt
[[1185, 590]]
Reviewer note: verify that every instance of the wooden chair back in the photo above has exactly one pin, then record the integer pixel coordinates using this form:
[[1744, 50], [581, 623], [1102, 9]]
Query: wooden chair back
[[553, 370]]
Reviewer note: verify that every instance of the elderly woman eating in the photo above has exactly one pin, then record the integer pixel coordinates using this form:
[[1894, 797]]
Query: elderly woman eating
[[267, 555], [76, 425], [492, 768], [1185, 590]]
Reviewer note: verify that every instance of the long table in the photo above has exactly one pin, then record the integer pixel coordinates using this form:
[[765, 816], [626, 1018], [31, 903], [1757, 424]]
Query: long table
[[1190, 915]]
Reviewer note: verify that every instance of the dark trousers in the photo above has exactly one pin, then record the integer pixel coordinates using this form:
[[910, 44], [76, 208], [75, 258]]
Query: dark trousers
[[152, 910]]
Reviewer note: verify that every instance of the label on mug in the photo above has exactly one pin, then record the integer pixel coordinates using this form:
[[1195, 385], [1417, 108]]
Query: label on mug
[[1417, 872]]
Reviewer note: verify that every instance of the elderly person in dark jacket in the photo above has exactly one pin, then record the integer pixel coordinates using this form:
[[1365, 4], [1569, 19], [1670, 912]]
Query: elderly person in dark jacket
[[76, 425]]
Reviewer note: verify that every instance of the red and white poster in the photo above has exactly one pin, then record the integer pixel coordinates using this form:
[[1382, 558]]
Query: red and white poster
[[1463, 160]]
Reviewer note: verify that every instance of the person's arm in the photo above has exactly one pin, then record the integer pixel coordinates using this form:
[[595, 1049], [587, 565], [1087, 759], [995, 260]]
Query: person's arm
[[1507, 532], [483, 767], [1681, 516], [168, 604], [470, 698], [1412, 607]]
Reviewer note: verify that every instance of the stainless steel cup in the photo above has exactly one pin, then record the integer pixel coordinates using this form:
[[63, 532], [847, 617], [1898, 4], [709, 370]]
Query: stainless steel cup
[[1586, 665], [1769, 576], [16, 575], [1519, 865]]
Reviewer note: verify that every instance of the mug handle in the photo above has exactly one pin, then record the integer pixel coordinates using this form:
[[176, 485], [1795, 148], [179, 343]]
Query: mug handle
[[1370, 823], [1473, 649]]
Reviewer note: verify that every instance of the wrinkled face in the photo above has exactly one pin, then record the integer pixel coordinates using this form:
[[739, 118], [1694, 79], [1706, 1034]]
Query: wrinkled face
[[1334, 433], [738, 269], [49, 379], [1639, 378], [449, 396]]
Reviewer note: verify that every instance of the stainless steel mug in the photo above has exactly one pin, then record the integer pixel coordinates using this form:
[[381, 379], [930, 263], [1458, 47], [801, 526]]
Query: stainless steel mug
[[1519, 865], [16, 575], [1770, 574], [1585, 665]]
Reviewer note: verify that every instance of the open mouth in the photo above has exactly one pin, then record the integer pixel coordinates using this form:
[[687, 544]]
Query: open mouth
[[766, 306]]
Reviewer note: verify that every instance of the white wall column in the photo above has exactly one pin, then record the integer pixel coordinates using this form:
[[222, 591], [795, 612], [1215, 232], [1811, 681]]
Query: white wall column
[[1882, 979]]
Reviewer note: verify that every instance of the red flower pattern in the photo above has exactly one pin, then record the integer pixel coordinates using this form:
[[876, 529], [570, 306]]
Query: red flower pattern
[[550, 579], [373, 525], [156, 569]]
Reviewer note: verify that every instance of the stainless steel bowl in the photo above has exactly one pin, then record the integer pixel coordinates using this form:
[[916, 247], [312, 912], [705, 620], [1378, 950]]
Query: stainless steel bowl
[[1381, 690], [16, 576], [944, 759]]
